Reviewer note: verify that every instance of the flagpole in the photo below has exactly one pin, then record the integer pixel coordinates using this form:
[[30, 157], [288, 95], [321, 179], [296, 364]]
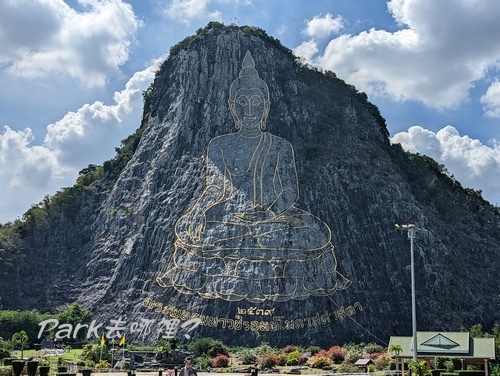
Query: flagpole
[[102, 344], [112, 351], [123, 342]]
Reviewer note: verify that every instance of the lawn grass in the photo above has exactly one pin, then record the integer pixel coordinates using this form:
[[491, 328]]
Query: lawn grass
[[69, 356]]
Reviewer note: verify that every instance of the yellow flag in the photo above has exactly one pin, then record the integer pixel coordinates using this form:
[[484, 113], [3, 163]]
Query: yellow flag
[[122, 341], [103, 341]]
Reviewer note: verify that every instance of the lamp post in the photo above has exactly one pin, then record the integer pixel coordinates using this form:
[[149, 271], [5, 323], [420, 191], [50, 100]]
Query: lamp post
[[411, 229]]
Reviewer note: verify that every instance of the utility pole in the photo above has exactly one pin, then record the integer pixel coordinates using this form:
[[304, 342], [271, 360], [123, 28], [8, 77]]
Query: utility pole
[[411, 229]]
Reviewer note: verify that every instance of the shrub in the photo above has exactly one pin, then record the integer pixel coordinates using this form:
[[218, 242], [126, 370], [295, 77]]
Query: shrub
[[267, 360], [371, 348], [280, 360], [449, 363], [457, 364], [352, 356], [209, 346], [292, 359], [303, 359], [382, 362], [373, 356], [203, 345], [247, 356], [263, 349], [320, 360], [495, 369], [439, 362], [290, 348], [347, 368], [450, 367], [6, 371], [336, 354], [220, 361], [103, 364], [203, 361], [218, 349], [419, 368], [314, 349]]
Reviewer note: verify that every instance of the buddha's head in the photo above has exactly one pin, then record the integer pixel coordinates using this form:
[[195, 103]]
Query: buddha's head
[[249, 97]]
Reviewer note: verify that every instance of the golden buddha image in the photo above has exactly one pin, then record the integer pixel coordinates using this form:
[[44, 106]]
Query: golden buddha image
[[245, 238]]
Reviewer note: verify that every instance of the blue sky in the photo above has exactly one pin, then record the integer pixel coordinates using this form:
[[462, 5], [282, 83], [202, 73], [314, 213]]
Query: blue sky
[[72, 73]]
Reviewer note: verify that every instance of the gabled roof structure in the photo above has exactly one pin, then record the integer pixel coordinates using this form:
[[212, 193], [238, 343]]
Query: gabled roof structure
[[458, 344], [449, 344]]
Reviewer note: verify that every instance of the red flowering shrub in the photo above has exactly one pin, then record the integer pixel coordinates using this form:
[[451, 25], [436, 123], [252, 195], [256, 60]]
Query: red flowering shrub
[[267, 360], [220, 361], [336, 354]]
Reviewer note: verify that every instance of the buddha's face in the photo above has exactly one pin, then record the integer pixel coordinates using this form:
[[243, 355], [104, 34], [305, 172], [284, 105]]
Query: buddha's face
[[249, 107]]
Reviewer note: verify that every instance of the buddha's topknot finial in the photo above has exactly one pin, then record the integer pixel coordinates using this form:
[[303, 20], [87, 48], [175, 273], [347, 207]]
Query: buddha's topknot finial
[[248, 66]]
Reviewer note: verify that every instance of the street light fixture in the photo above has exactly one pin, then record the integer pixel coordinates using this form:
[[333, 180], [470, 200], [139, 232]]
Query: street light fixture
[[411, 229]]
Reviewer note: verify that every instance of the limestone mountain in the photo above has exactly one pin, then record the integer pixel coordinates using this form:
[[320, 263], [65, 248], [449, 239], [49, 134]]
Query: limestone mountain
[[115, 242]]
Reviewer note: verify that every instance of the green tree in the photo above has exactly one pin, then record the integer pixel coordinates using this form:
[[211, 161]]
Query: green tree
[[15, 321], [396, 349], [10, 248], [75, 314], [20, 339]]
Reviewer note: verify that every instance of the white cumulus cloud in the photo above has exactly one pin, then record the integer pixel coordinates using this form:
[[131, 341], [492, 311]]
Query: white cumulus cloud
[[44, 37], [306, 50], [85, 136], [491, 100], [186, 11], [472, 163], [26, 171], [320, 27], [435, 57]]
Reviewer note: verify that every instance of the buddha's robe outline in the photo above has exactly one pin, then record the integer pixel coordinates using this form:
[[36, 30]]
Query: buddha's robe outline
[[222, 251]]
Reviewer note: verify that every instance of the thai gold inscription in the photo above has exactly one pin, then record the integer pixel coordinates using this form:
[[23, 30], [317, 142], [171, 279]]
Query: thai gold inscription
[[266, 323]]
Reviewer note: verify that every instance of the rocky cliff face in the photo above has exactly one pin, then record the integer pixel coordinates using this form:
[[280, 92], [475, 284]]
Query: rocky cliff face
[[109, 253]]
